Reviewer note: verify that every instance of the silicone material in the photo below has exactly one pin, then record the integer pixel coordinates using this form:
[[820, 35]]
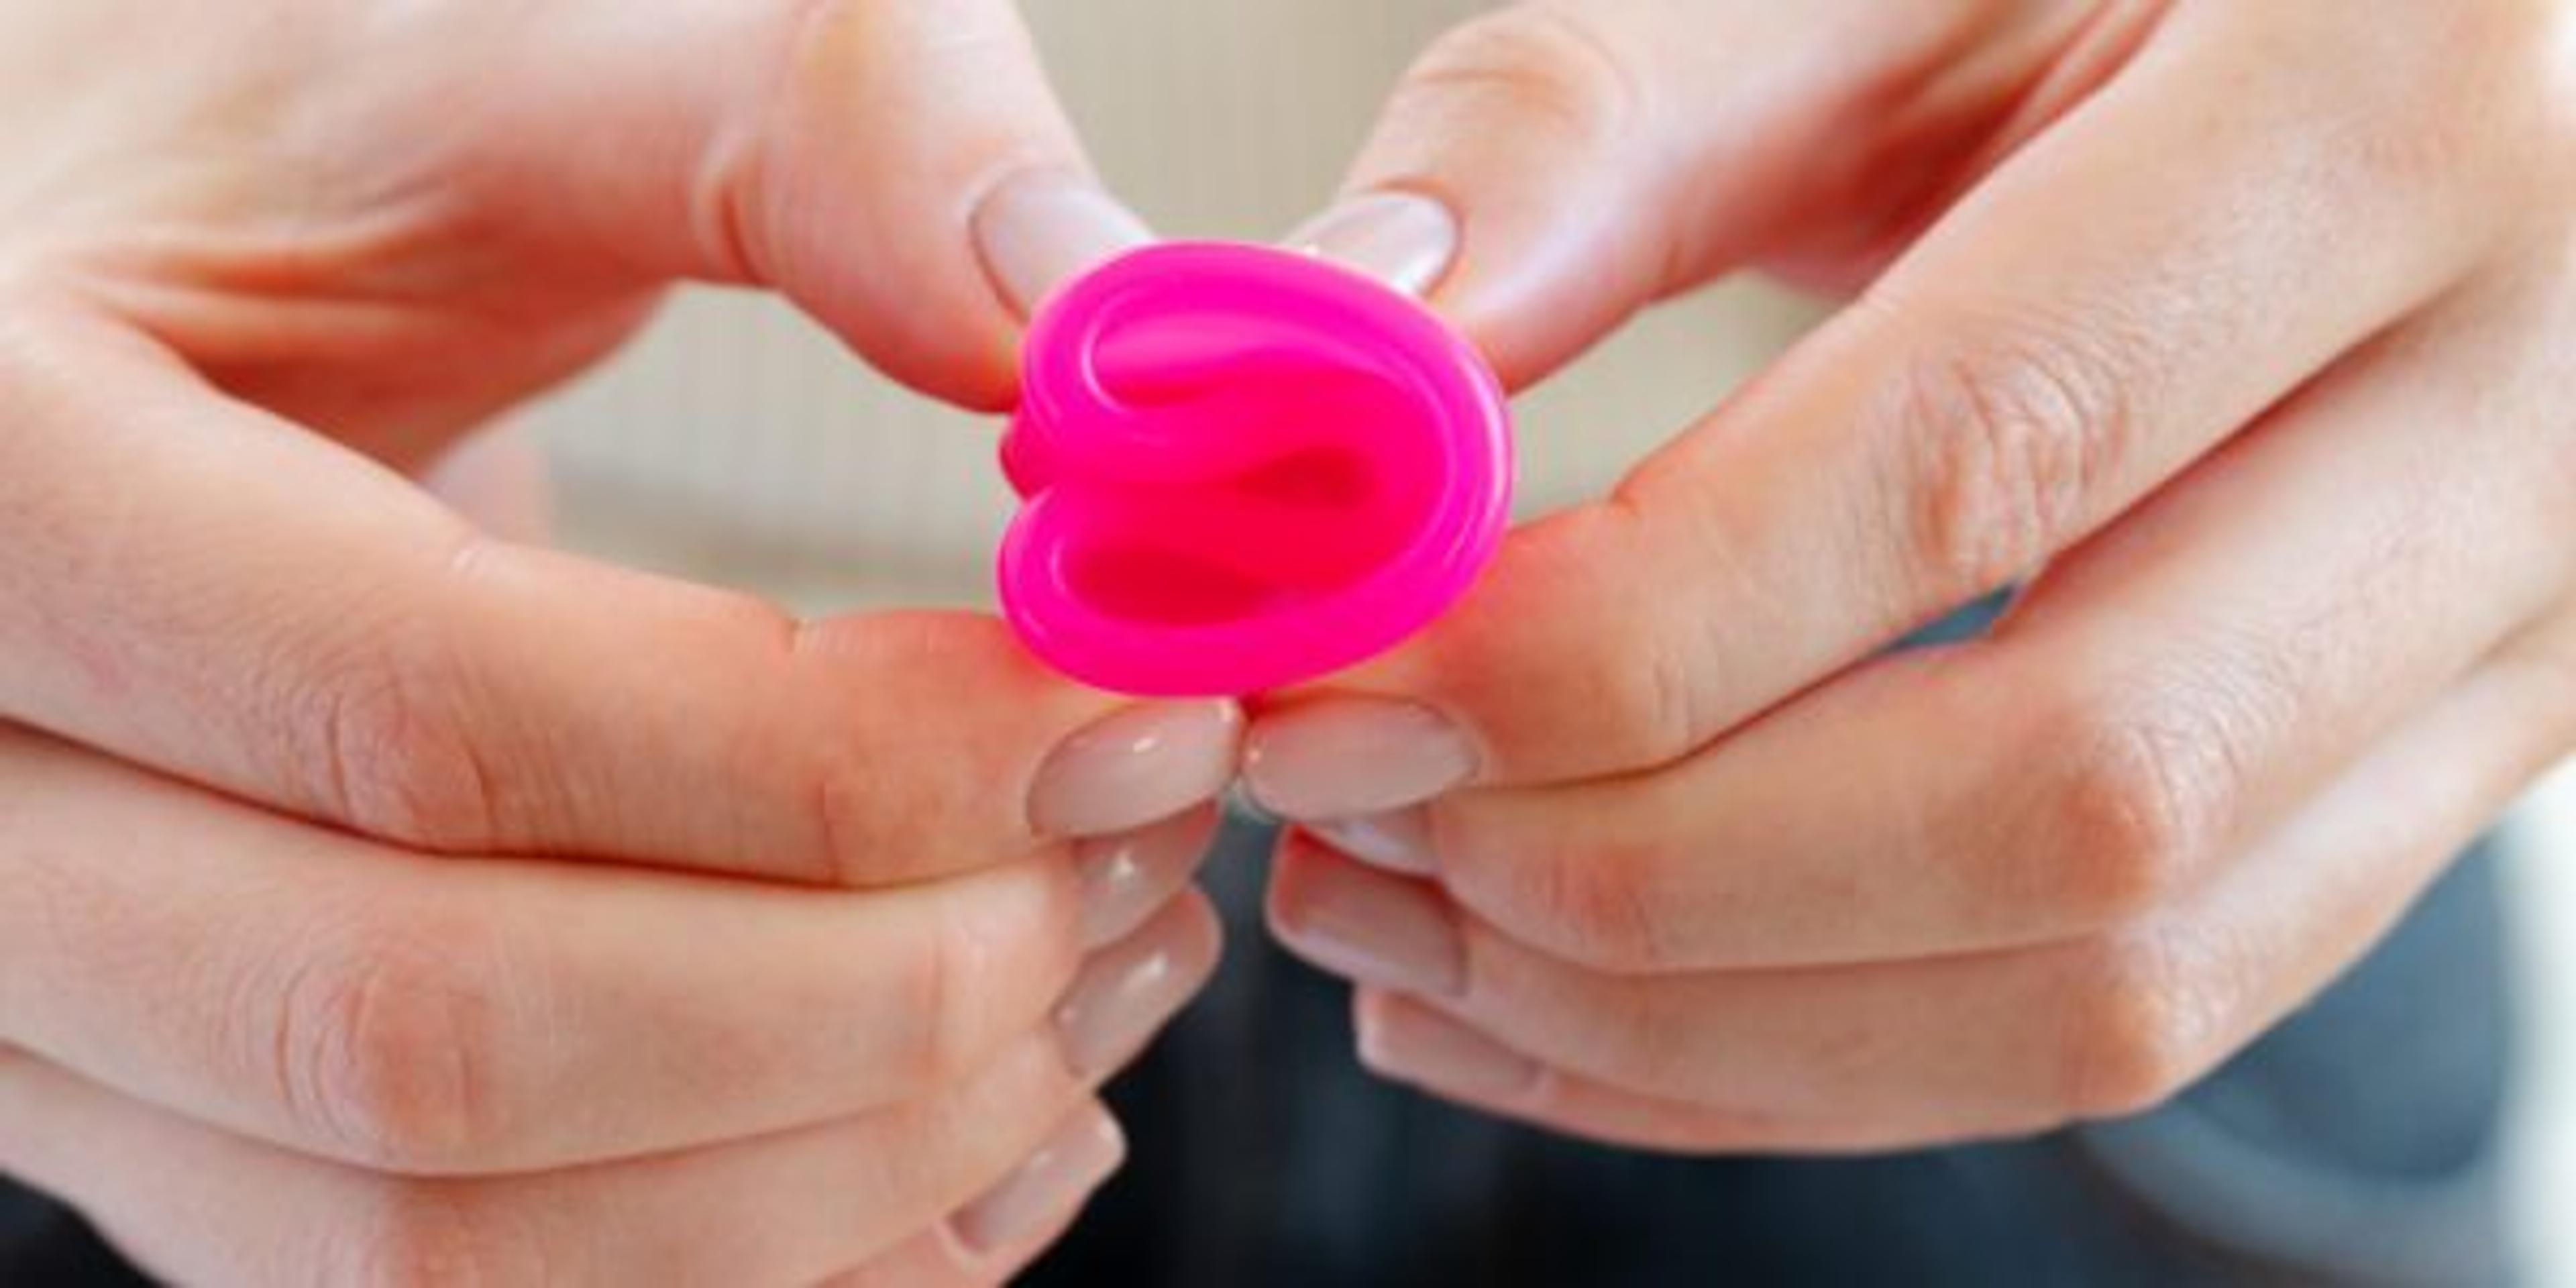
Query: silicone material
[[1243, 468]]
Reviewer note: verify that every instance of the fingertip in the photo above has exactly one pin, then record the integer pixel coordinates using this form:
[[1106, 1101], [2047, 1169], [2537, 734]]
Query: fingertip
[[1530, 282], [1135, 766], [1038, 229], [1125, 878], [920, 222], [1407, 240], [1040, 1198], [1128, 991], [1523, 127], [1403, 1040]]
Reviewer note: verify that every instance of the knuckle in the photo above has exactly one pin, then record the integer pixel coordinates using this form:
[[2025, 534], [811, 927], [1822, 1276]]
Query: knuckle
[[1585, 671], [2141, 798], [875, 815], [992, 959], [1650, 1046], [847, 809], [1663, 709], [1634, 669], [430, 1234], [2000, 447], [382, 1044], [2138, 1030], [391, 749], [1592, 905], [1545, 65], [2450, 96]]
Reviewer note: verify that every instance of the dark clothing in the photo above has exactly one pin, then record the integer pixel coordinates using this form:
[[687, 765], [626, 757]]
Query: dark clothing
[[42, 1245]]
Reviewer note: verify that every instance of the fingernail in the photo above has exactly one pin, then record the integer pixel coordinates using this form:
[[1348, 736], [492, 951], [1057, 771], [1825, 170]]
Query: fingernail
[[1130, 988], [1136, 766], [1350, 757], [1410, 1042], [1361, 923], [1037, 229], [1073, 1163], [1124, 878], [1403, 239], [1398, 841]]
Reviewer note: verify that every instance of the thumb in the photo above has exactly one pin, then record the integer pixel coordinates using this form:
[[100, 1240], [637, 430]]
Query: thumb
[[1550, 168], [900, 169]]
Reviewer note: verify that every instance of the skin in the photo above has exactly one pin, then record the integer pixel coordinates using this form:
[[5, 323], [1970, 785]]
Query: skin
[[346, 843], [2237, 334], [385, 898]]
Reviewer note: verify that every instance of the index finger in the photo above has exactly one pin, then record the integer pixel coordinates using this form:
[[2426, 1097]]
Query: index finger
[[197, 586], [2074, 333]]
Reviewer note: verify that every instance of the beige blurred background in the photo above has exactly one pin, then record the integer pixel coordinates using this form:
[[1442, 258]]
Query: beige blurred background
[[735, 444]]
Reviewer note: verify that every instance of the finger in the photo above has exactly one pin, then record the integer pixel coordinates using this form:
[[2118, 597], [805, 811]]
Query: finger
[[1127, 878], [2069, 336], [207, 590], [196, 1205], [1568, 162], [1891, 1055], [992, 1239], [1886, 1051], [2161, 698], [306, 987], [1415, 1044], [821, 149]]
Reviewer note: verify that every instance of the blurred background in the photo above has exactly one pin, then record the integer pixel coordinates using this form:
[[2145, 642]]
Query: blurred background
[[734, 444], [2545, 877]]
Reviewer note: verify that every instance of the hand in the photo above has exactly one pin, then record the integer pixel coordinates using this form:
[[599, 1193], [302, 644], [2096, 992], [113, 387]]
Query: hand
[[385, 901], [2238, 330]]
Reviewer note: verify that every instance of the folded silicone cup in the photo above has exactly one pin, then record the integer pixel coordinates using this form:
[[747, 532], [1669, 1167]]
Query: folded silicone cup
[[1243, 468]]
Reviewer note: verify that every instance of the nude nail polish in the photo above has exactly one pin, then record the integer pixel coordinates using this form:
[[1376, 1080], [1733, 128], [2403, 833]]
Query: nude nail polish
[[1135, 767], [1037, 230], [1126, 878], [1129, 989], [1071, 1164], [1403, 239], [1340, 758]]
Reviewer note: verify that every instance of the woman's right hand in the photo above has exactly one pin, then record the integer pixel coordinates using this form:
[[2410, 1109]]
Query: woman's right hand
[[383, 900]]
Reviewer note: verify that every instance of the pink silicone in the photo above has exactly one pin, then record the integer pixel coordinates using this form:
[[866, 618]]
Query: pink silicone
[[1243, 468]]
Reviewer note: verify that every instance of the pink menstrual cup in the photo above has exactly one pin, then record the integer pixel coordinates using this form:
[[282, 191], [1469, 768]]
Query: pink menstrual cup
[[1242, 468]]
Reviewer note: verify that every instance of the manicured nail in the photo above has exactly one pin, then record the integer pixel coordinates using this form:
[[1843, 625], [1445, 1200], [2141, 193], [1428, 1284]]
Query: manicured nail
[[1399, 841], [1409, 1042], [1364, 924], [1127, 990], [1073, 1163], [1350, 757], [1125, 878], [1403, 239], [1037, 229], [1136, 766]]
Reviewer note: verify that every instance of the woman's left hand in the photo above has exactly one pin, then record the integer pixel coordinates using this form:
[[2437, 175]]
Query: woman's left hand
[[2245, 333]]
